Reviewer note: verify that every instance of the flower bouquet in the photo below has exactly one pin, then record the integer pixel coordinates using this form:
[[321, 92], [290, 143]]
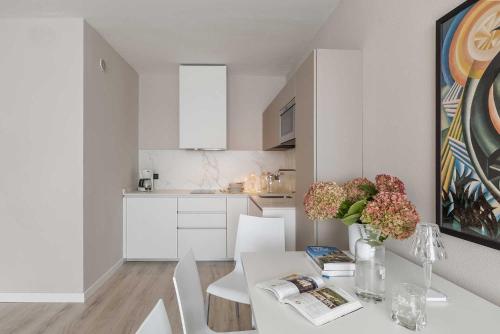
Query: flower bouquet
[[383, 205], [381, 209]]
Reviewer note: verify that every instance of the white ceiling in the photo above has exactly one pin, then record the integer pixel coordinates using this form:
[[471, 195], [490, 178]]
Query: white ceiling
[[250, 36]]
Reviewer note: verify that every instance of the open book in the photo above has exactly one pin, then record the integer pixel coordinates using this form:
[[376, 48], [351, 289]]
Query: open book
[[311, 298]]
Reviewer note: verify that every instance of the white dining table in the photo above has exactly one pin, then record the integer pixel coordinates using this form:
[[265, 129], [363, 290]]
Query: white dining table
[[464, 312]]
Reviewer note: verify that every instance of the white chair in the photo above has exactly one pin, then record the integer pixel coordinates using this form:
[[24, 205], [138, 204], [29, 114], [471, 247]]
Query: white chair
[[255, 234], [190, 297], [156, 322]]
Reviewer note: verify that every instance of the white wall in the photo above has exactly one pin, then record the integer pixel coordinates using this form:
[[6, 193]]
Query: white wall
[[41, 144], [248, 96], [398, 43], [110, 152]]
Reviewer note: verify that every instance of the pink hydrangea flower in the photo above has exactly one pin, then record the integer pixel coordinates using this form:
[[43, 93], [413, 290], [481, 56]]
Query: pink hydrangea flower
[[391, 213], [323, 200], [353, 192], [388, 183]]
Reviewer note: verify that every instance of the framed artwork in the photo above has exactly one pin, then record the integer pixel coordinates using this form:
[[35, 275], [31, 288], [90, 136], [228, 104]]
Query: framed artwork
[[468, 122]]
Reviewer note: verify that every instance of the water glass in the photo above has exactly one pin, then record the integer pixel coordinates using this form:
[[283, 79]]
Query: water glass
[[408, 306]]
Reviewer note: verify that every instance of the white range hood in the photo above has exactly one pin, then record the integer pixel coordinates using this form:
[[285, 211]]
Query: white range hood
[[203, 107]]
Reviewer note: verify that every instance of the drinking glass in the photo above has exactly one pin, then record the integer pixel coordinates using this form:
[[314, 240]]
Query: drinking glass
[[408, 306]]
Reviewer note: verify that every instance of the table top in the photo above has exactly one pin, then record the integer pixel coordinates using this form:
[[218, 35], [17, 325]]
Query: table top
[[463, 313]]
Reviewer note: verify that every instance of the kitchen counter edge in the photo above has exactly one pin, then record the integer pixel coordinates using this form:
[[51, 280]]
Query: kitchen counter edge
[[262, 203], [178, 193], [273, 203]]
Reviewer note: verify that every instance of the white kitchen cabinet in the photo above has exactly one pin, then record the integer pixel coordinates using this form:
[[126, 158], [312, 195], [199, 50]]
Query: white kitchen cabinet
[[207, 244], [157, 227], [202, 204], [201, 220], [202, 107], [151, 228], [288, 216], [269, 210], [236, 206]]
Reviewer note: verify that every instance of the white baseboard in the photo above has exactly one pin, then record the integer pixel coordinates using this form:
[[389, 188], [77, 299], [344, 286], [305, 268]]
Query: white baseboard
[[104, 277], [41, 297], [47, 297]]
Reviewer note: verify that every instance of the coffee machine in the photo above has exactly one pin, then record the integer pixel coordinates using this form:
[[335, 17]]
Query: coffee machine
[[146, 180]]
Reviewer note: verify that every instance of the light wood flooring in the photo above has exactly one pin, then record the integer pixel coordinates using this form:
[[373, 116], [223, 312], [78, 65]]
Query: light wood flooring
[[122, 303]]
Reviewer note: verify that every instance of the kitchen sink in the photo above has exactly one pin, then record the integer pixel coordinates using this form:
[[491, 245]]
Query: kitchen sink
[[203, 191], [274, 196]]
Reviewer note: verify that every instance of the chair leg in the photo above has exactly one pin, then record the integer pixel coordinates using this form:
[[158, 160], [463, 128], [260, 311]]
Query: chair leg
[[208, 307], [238, 310]]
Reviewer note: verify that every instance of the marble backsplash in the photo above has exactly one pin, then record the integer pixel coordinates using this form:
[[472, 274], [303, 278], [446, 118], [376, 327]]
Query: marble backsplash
[[180, 169]]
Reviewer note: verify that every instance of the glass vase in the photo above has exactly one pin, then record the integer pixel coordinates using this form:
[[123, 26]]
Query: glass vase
[[370, 265]]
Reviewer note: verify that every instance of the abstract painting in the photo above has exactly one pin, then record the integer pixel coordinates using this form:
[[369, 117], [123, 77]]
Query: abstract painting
[[468, 122]]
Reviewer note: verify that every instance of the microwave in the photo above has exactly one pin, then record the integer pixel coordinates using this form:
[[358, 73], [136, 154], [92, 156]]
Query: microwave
[[287, 123]]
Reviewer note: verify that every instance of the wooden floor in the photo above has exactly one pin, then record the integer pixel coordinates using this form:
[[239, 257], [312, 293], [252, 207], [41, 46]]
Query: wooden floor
[[121, 304]]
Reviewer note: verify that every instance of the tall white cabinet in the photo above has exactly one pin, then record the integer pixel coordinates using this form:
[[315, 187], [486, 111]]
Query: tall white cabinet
[[202, 107], [328, 118]]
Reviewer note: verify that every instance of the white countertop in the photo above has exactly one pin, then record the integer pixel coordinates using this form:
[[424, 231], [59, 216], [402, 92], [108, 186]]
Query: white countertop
[[178, 193], [263, 203], [273, 203]]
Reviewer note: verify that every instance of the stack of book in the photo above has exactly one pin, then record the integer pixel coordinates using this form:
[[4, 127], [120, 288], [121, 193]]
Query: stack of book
[[331, 261]]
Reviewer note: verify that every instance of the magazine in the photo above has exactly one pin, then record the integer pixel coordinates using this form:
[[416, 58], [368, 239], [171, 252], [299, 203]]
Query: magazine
[[330, 258], [311, 298]]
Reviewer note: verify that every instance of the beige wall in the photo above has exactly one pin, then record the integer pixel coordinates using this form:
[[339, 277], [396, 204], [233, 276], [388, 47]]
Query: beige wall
[[248, 96], [110, 152], [41, 143], [398, 43]]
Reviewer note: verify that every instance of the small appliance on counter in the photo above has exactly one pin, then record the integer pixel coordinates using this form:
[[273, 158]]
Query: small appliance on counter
[[146, 180]]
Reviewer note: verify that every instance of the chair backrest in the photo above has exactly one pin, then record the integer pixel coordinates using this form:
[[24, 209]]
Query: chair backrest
[[259, 234], [156, 322], [190, 295]]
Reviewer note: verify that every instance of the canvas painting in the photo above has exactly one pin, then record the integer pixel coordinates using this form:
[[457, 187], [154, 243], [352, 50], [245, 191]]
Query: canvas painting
[[468, 122]]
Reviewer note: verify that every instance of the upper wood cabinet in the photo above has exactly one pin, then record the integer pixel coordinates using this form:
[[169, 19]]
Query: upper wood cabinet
[[270, 126], [271, 117], [202, 107]]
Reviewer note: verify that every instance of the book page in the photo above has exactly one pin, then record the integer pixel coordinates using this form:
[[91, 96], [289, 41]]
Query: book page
[[323, 305], [292, 285]]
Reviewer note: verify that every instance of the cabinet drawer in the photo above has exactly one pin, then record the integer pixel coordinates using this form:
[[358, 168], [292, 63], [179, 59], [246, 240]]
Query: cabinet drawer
[[207, 244], [202, 204], [201, 220]]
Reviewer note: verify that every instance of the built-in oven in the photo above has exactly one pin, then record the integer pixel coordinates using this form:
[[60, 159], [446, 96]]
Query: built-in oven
[[287, 123]]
